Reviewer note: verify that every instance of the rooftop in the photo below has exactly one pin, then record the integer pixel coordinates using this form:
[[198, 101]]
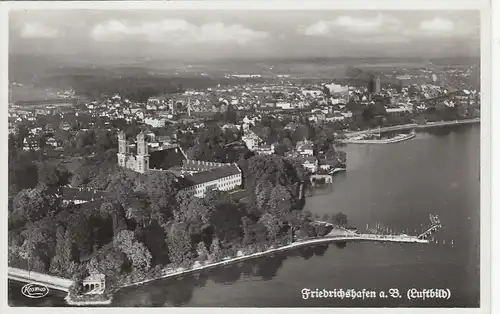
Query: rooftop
[[166, 158], [213, 174]]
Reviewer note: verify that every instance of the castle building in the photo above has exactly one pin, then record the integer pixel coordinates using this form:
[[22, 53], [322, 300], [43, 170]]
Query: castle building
[[199, 176]]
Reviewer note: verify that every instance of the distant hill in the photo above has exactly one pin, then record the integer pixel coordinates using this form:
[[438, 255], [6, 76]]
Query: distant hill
[[24, 69]]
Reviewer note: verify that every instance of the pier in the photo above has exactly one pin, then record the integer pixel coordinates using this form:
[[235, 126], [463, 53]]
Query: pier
[[435, 225], [347, 235], [328, 177]]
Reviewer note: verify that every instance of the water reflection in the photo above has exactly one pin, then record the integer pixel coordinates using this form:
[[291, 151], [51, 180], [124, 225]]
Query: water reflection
[[179, 291], [447, 129]]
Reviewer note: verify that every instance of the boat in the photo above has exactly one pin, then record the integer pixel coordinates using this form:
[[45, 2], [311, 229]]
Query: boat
[[335, 170]]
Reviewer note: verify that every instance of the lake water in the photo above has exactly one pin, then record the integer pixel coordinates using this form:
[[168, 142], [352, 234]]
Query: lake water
[[397, 185]]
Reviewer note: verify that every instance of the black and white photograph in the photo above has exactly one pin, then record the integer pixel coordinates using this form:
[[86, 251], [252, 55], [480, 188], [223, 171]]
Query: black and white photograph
[[211, 155]]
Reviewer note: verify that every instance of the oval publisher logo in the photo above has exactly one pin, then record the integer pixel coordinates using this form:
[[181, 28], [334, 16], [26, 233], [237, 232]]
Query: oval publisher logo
[[34, 290]]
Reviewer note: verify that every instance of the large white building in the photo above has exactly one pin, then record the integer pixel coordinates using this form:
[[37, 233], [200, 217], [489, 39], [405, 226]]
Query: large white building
[[283, 105], [335, 88], [312, 92], [225, 178], [155, 123], [252, 140]]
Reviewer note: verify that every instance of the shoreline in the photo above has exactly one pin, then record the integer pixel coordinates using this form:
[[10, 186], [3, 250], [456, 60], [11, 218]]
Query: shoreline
[[271, 251], [413, 126]]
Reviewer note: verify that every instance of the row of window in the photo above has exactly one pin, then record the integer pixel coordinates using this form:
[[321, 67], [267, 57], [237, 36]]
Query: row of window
[[230, 183], [223, 183]]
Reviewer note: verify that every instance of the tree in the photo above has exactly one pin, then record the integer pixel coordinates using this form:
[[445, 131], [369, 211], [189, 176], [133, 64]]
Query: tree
[[121, 188], [62, 136], [263, 194], [272, 225], [109, 261], [39, 244], [63, 256], [266, 132], [79, 179], [248, 236], [301, 133], [224, 216], [84, 139], [139, 209], [230, 115], [48, 175], [161, 189], [22, 132], [280, 201], [33, 204], [135, 251], [103, 140], [194, 212], [110, 209], [195, 152], [215, 251], [179, 243], [288, 143], [202, 251]]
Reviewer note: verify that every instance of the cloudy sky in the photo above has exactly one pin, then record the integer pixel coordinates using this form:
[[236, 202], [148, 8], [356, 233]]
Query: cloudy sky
[[219, 34]]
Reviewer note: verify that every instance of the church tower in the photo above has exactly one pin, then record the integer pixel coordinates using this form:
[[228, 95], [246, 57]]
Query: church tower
[[189, 107], [142, 157], [122, 149]]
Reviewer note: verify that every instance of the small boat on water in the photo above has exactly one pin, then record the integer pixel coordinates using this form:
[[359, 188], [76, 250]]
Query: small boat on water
[[335, 170]]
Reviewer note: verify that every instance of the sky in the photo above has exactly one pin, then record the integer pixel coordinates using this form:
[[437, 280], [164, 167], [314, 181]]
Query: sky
[[214, 34]]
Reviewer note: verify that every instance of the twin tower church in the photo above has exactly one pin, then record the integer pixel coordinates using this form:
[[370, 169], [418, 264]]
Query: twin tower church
[[148, 155], [133, 157]]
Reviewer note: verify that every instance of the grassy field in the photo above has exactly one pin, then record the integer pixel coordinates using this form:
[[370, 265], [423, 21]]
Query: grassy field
[[27, 93]]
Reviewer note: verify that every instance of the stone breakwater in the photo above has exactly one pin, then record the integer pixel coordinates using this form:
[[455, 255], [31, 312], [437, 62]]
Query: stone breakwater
[[413, 126]]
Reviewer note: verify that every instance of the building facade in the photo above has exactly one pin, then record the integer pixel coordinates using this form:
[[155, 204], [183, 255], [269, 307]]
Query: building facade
[[199, 176], [127, 159], [225, 178]]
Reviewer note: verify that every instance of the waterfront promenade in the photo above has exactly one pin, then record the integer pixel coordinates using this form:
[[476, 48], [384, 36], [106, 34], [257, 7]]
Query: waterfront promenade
[[336, 235], [52, 282], [412, 126]]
